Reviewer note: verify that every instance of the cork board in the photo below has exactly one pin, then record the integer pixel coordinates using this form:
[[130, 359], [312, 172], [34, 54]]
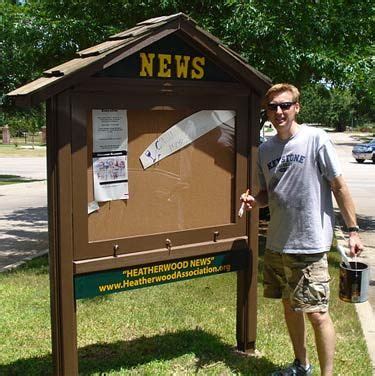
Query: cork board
[[187, 190]]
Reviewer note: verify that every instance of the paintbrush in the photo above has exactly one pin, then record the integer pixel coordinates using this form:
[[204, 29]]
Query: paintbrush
[[242, 208], [344, 257]]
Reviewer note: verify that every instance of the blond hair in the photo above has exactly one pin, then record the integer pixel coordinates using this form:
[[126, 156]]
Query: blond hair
[[280, 88]]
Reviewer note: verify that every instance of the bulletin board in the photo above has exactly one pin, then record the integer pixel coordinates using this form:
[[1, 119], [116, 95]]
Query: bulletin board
[[188, 197], [186, 190]]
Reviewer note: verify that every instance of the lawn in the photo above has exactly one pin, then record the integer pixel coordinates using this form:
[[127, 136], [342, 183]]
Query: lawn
[[14, 179], [182, 328], [22, 151]]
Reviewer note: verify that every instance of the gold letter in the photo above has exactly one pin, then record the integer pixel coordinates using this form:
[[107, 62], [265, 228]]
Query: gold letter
[[198, 71], [146, 64], [182, 66], [164, 70]]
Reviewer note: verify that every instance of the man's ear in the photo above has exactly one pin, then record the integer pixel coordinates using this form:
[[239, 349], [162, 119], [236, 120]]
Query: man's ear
[[297, 107]]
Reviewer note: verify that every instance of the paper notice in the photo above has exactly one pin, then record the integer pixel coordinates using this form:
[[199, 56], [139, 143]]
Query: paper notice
[[110, 153]]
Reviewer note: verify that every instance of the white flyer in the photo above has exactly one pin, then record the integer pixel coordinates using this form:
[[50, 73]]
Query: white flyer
[[110, 155], [184, 133]]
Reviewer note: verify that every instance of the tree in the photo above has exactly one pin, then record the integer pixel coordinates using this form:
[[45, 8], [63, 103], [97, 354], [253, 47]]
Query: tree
[[297, 41], [301, 41], [330, 107]]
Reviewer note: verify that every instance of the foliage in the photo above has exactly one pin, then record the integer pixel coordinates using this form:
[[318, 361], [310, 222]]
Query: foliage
[[341, 110], [299, 41], [26, 120], [295, 41], [331, 107], [365, 94], [309, 40]]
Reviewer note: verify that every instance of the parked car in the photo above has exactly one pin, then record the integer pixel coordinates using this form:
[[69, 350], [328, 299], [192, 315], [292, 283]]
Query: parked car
[[361, 152]]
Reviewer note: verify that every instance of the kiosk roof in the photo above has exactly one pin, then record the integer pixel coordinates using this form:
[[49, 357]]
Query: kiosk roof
[[96, 58]]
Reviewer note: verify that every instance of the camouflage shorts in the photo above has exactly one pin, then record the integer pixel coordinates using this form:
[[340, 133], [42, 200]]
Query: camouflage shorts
[[304, 279]]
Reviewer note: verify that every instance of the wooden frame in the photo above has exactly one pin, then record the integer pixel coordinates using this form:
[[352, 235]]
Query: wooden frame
[[82, 104]]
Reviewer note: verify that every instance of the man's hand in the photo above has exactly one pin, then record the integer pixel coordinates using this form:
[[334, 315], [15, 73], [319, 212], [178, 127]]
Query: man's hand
[[247, 200], [355, 244]]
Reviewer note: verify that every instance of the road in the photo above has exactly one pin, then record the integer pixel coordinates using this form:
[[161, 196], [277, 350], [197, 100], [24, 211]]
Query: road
[[361, 181], [360, 177], [33, 168]]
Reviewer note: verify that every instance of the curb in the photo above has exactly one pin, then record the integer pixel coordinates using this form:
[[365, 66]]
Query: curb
[[24, 260], [364, 311]]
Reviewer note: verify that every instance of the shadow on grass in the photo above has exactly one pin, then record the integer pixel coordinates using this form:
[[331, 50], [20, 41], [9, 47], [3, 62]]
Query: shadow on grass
[[23, 234], [38, 265], [101, 358]]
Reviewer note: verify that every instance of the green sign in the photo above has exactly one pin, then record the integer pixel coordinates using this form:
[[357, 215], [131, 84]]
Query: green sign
[[117, 280]]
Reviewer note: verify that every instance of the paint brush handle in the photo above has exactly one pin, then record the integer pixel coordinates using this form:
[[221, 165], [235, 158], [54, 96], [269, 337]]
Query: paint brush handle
[[343, 255], [242, 209]]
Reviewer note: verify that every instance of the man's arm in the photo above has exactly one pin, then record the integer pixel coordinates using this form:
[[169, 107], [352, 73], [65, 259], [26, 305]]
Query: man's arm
[[346, 205]]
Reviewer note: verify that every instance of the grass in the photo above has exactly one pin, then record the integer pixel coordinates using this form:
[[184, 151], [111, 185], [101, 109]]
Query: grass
[[183, 328], [22, 150], [14, 179]]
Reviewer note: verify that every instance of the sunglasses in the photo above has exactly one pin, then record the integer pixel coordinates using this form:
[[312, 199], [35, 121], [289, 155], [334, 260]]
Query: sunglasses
[[283, 106]]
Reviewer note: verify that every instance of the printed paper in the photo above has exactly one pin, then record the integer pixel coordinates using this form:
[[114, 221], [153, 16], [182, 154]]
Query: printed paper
[[110, 153]]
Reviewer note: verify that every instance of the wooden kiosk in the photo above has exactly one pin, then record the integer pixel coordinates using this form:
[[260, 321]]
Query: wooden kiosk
[[152, 137]]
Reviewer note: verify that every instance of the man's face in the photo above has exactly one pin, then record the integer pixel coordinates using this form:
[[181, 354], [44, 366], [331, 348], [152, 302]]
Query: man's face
[[282, 118]]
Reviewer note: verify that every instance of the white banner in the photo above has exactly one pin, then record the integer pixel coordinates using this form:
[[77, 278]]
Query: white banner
[[184, 133]]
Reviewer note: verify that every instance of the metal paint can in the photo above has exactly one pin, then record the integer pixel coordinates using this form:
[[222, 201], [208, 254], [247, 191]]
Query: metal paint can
[[354, 282]]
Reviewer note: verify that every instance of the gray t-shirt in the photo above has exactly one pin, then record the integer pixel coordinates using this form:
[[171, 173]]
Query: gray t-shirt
[[296, 174]]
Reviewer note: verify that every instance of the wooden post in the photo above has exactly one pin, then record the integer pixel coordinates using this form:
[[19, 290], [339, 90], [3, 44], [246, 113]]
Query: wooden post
[[63, 315], [247, 281], [44, 135], [6, 135]]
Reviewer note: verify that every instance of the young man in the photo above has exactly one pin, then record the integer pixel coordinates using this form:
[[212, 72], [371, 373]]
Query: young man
[[298, 170]]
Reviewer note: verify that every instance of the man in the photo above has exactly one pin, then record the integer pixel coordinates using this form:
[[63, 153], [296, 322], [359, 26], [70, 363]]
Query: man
[[298, 170]]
